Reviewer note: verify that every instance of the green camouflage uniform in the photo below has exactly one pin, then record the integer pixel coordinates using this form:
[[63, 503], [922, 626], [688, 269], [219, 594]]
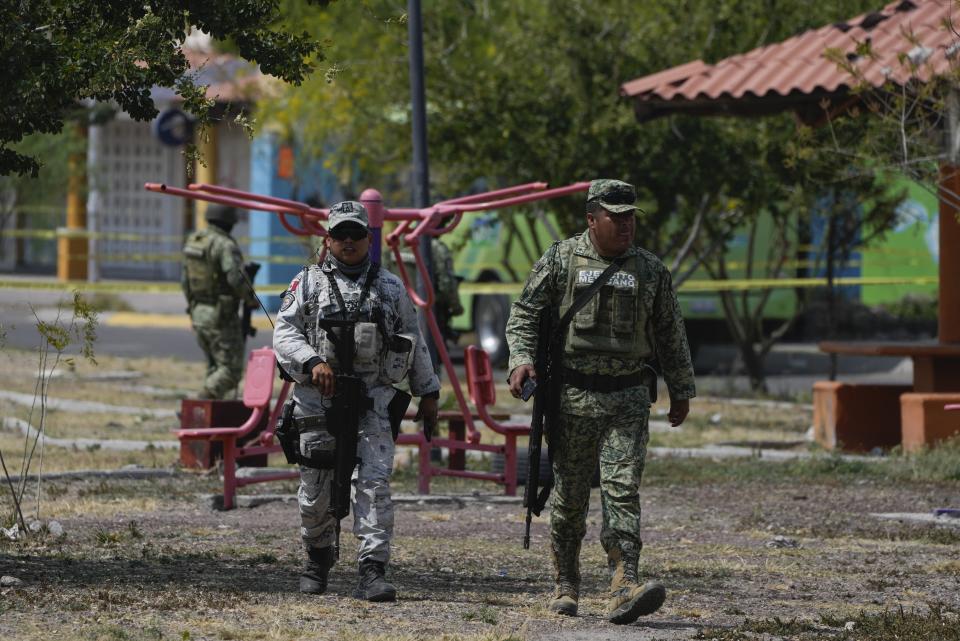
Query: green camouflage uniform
[[214, 286], [447, 287], [608, 425]]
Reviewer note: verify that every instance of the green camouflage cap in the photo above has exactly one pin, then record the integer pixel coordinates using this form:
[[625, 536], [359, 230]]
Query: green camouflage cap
[[613, 195], [348, 211]]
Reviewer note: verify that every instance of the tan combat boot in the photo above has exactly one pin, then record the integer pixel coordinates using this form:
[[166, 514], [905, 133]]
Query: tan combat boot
[[566, 563], [628, 599]]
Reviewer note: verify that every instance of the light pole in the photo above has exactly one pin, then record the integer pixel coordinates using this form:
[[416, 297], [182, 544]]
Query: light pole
[[418, 120]]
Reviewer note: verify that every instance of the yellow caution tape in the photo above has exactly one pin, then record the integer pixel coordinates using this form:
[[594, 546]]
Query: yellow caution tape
[[791, 283], [508, 289], [176, 258], [511, 289], [134, 286], [65, 232], [166, 321]]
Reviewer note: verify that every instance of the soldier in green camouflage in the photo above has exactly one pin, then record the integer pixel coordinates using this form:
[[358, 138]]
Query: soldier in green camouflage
[[446, 285], [604, 407], [214, 285]]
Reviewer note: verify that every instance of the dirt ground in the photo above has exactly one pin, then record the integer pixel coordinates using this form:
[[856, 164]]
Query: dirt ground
[[748, 548], [150, 560]]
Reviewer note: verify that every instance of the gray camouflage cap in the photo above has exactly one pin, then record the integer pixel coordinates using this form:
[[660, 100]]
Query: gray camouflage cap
[[613, 195], [348, 211]]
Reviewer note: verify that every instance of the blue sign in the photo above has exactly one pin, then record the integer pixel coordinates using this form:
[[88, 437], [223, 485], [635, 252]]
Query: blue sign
[[173, 128]]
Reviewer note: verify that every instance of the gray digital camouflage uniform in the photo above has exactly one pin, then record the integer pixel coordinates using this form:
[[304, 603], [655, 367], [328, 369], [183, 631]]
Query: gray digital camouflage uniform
[[214, 285], [611, 426], [297, 340]]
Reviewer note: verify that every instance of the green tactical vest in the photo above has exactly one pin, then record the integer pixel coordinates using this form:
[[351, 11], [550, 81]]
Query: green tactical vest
[[206, 283], [609, 321]]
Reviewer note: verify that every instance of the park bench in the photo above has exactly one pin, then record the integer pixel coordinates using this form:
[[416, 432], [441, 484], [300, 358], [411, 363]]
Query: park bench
[[483, 394], [238, 446]]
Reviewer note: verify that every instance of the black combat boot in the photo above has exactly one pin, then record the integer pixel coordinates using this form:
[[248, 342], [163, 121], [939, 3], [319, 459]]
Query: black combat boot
[[314, 577], [373, 586]]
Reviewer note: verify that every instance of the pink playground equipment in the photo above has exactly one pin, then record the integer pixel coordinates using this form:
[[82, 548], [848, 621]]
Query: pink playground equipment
[[302, 220]]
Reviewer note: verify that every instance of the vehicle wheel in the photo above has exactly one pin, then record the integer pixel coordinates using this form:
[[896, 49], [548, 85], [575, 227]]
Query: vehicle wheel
[[546, 471], [490, 313], [523, 462]]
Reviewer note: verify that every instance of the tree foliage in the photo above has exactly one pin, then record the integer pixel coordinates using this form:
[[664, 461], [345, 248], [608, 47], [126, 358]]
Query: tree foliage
[[56, 53], [528, 90]]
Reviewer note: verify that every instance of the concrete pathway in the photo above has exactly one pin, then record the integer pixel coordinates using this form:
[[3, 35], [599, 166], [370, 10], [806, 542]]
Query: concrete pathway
[[122, 445], [70, 405]]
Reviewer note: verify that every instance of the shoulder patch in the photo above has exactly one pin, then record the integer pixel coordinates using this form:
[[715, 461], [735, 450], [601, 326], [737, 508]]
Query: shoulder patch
[[287, 300]]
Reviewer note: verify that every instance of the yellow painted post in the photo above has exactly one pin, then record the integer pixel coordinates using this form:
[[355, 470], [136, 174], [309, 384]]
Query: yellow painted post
[[71, 250], [206, 142]]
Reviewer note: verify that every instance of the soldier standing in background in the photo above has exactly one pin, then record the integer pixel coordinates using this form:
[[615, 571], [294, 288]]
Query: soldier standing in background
[[214, 285], [604, 405], [349, 286], [446, 287]]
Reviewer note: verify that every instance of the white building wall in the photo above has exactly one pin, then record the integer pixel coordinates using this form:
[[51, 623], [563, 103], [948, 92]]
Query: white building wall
[[233, 170], [141, 231]]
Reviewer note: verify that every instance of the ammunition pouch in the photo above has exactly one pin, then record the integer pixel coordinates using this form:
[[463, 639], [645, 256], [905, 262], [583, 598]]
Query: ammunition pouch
[[397, 358], [396, 409], [318, 460], [288, 434]]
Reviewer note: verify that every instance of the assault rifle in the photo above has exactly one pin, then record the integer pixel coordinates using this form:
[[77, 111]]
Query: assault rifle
[[545, 404], [349, 402], [250, 271]]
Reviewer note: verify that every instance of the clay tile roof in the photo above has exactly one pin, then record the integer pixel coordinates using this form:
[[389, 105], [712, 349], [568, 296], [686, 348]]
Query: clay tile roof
[[795, 72], [229, 79]]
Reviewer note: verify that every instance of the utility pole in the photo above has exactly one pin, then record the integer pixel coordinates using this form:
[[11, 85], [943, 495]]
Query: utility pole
[[418, 119]]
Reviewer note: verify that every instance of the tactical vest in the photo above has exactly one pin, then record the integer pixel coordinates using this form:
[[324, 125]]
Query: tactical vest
[[205, 281], [609, 321], [379, 354]]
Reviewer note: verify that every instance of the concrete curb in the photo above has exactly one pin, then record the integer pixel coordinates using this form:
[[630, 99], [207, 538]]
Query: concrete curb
[[137, 474], [121, 445], [215, 501], [70, 405], [918, 517]]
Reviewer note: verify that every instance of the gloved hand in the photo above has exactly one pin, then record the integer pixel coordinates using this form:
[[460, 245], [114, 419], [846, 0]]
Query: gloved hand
[[427, 412]]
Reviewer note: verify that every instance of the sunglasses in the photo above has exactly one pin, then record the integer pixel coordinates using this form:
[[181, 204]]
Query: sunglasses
[[353, 233]]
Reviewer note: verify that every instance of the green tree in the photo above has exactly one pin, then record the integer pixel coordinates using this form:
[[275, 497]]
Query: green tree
[[56, 53], [528, 90]]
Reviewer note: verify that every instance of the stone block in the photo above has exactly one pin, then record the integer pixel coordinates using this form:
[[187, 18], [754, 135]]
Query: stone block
[[924, 420], [855, 417]]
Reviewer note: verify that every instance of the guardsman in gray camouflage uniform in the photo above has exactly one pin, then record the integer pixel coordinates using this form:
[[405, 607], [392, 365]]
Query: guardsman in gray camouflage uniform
[[214, 285], [604, 405], [347, 278]]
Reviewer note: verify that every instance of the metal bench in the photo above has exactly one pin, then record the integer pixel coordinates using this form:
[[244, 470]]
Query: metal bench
[[257, 392]]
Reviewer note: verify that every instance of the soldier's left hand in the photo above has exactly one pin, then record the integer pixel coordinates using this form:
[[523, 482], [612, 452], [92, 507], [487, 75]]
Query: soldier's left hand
[[428, 412], [678, 411]]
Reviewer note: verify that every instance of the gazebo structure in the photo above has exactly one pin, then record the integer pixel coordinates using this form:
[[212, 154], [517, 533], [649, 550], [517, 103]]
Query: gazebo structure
[[795, 75]]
